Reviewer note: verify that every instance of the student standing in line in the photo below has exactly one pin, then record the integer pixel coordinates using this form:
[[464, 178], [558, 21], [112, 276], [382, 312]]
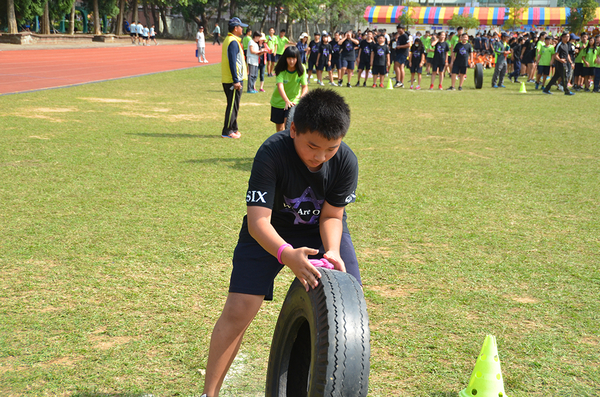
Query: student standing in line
[[440, 49], [365, 48], [416, 62], [313, 53], [272, 56], [252, 56], [348, 55], [324, 59], [380, 60], [336, 60], [501, 51], [544, 60], [462, 56], [402, 49]]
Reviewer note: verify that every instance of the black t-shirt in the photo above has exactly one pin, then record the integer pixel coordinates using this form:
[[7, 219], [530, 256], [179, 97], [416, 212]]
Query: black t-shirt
[[484, 44], [441, 52], [477, 43], [314, 50], [335, 50], [517, 48], [348, 52], [416, 54], [380, 55], [281, 181], [462, 51], [325, 51], [365, 50], [562, 50], [402, 40]]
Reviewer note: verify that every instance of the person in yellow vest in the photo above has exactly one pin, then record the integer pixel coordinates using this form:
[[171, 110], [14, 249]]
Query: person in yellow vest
[[233, 74]]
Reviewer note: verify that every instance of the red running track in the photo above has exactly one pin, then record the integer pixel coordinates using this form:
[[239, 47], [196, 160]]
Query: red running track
[[30, 70]]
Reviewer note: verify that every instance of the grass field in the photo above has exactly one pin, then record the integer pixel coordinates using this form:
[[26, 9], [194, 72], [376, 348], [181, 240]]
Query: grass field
[[477, 213]]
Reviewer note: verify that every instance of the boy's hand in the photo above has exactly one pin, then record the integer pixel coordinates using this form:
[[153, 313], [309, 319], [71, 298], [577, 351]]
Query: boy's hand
[[297, 261], [336, 260]]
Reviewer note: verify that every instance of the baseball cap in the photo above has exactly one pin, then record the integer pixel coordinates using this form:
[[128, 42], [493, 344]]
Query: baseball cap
[[504, 34], [573, 36], [263, 37], [303, 35], [235, 21], [325, 33]]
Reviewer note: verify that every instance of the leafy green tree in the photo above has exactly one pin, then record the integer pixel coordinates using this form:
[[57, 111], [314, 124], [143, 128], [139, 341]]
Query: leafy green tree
[[515, 13], [465, 22], [408, 18], [581, 15]]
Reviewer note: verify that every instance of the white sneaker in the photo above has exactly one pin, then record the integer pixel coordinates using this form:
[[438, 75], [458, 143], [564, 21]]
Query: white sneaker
[[333, 84]]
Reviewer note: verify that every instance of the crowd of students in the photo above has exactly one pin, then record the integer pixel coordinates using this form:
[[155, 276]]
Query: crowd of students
[[375, 54]]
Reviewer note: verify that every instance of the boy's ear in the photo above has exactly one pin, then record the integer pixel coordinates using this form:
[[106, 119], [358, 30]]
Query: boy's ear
[[292, 130]]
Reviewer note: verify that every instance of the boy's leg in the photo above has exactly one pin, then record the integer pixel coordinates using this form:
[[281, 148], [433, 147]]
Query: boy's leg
[[461, 79], [238, 313]]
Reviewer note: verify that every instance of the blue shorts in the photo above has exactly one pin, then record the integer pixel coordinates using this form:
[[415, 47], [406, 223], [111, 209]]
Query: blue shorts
[[543, 70], [400, 58], [311, 65], [349, 64], [271, 57], [254, 269], [364, 65]]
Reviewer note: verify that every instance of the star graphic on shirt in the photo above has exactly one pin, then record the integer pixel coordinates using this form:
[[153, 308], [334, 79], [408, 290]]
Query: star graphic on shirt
[[294, 206]]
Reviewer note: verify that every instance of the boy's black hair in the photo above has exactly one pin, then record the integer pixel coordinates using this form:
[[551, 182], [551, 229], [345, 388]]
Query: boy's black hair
[[323, 111], [256, 34], [282, 30], [290, 52]]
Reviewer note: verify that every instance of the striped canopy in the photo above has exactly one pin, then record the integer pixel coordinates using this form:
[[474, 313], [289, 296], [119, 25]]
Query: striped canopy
[[538, 16]]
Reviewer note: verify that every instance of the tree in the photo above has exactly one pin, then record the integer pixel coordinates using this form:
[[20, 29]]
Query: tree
[[407, 18], [466, 22], [12, 19], [515, 13], [580, 16]]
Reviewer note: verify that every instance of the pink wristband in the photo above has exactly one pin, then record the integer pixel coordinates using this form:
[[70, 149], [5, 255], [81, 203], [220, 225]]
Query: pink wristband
[[280, 251]]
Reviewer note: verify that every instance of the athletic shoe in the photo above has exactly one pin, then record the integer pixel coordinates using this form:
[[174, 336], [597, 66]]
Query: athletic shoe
[[431, 87], [569, 93], [411, 86], [321, 83], [547, 92], [333, 84], [365, 84], [531, 81], [495, 86], [418, 87], [502, 86], [561, 88], [460, 88], [261, 90], [451, 88], [517, 81], [357, 84], [537, 86], [401, 85], [233, 135], [349, 85], [381, 85], [340, 82], [398, 85], [586, 89], [440, 87], [374, 85], [252, 92]]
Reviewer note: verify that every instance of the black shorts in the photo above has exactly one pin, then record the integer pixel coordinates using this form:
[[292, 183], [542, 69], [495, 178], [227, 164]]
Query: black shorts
[[438, 66], [378, 70], [587, 71], [323, 67], [429, 60], [543, 70], [133, 34], [578, 70], [459, 69], [271, 58], [254, 269], [416, 69], [311, 64], [364, 65], [336, 62], [348, 63], [278, 116]]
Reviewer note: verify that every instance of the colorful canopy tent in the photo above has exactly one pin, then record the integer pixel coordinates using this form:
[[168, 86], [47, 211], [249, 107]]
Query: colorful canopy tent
[[537, 16]]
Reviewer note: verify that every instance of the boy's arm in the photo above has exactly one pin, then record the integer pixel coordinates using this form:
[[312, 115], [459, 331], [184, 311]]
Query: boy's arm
[[330, 227], [260, 228], [372, 57]]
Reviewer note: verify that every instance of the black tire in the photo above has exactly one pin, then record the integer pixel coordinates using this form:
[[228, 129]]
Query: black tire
[[321, 344], [478, 76], [290, 118]]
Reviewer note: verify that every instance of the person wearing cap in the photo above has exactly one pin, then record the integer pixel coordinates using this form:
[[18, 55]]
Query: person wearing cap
[[501, 50], [303, 46], [233, 74], [262, 60], [201, 45], [561, 58]]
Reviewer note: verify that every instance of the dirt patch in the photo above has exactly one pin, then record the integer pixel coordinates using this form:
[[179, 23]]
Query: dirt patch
[[110, 100], [392, 291], [63, 361], [103, 341], [589, 340], [524, 299], [378, 252]]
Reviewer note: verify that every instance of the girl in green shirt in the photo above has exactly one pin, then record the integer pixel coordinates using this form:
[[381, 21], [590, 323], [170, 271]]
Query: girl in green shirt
[[291, 86]]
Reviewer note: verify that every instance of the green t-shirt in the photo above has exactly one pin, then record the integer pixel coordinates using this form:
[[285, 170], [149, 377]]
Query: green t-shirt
[[596, 54], [281, 42], [427, 44], [546, 57], [538, 47], [590, 56], [579, 57], [453, 41], [291, 85], [271, 42], [245, 42]]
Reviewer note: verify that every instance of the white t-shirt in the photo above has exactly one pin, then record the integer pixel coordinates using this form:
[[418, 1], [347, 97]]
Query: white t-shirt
[[145, 32], [140, 28], [252, 58], [133, 28], [200, 39], [152, 32]]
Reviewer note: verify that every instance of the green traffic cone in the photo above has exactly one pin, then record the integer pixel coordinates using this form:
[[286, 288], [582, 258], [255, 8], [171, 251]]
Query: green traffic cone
[[390, 86], [523, 90], [486, 380]]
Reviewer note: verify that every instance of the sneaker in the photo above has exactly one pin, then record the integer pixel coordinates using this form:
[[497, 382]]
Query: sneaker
[[547, 92], [398, 85], [537, 86], [561, 88], [401, 85], [340, 82], [261, 90], [495, 86], [252, 92], [374, 85], [333, 84], [411, 86], [586, 89], [233, 135], [321, 83], [517, 81], [365, 84], [569, 93], [440, 87], [349, 85], [381, 85], [357, 84], [451, 88], [418, 87], [431, 87], [460, 88], [502, 86]]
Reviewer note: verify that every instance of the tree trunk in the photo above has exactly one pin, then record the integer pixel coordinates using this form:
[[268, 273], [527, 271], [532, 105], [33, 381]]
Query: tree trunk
[[163, 16], [154, 17], [12, 19], [134, 11], [233, 8], [145, 10], [120, 18], [264, 18], [219, 12], [46, 19], [97, 29], [277, 19], [71, 29]]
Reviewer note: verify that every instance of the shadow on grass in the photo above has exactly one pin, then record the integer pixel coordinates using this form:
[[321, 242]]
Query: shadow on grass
[[242, 164], [166, 135], [444, 394], [95, 394]]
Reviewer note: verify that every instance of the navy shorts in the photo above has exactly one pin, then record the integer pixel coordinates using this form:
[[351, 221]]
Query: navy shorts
[[459, 69], [578, 70], [435, 67], [543, 70], [400, 58], [378, 70], [311, 65], [271, 57], [324, 67], [254, 269], [364, 65], [348, 64], [336, 62], [416, 69]]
